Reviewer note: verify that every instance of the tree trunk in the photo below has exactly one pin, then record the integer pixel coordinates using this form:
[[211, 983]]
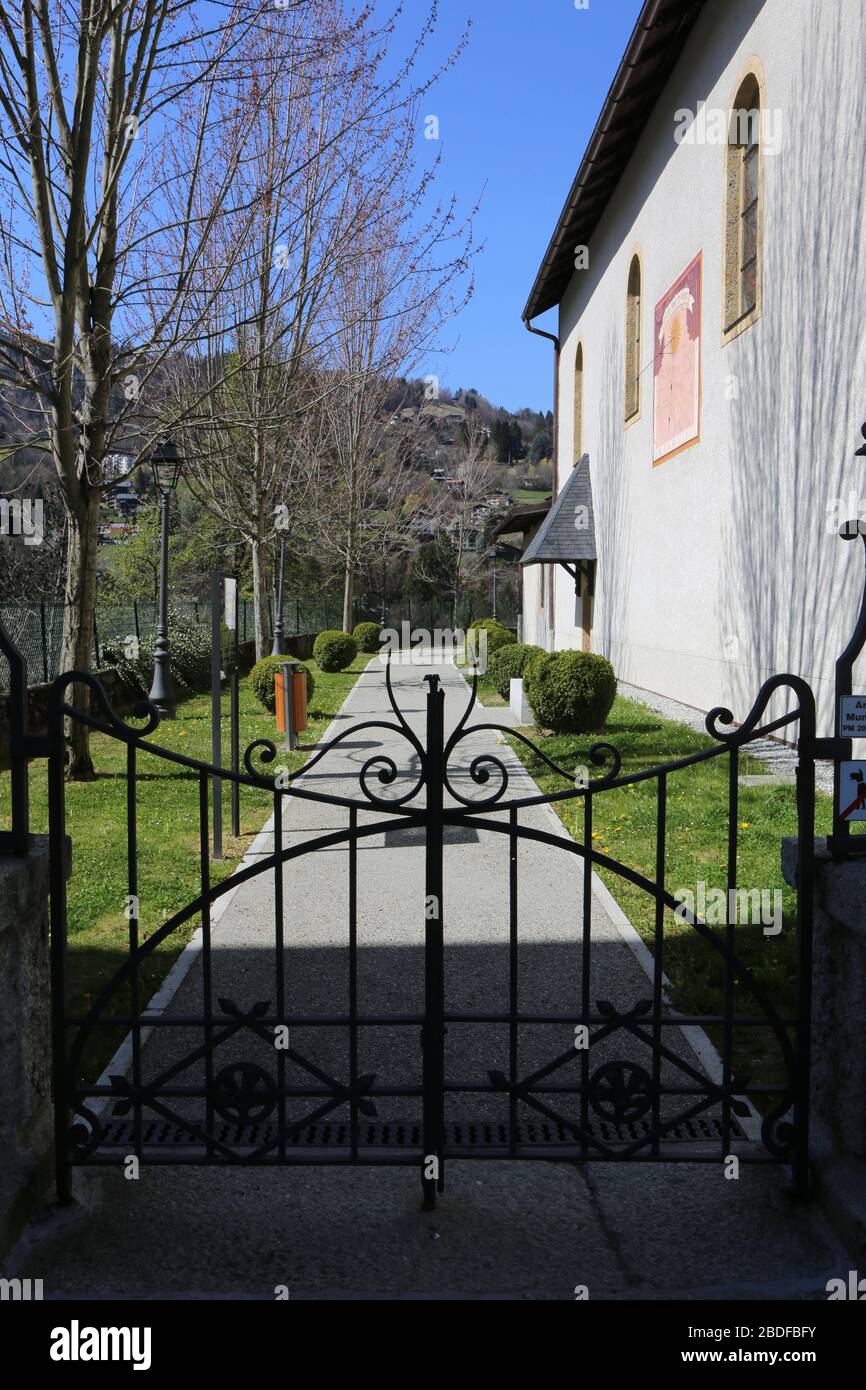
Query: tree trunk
[[260, 604], [348, 596], [78, 617]]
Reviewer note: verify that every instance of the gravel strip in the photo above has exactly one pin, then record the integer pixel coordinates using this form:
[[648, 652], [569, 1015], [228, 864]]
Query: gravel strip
[[778, 759]]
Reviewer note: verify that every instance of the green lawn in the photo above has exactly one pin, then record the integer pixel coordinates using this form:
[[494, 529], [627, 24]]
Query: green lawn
[[168, 838], [624, 827], [523, 494]]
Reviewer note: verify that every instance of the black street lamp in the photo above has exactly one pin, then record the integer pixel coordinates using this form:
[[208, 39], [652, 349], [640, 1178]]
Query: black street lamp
[[166, 464], [279, 649]]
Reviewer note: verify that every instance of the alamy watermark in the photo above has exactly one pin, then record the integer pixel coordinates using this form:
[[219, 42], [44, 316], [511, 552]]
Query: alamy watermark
[[739, 906], [418, 646], [22, 517], [713, 125]]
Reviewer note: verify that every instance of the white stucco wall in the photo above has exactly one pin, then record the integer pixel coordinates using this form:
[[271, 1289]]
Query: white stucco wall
[[716, 568]]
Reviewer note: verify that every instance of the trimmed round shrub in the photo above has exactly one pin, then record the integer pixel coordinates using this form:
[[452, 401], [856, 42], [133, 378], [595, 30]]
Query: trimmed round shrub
[[262, 681], [367, 636], [569, 692], [508, 663], [497, 637], [334, 651]]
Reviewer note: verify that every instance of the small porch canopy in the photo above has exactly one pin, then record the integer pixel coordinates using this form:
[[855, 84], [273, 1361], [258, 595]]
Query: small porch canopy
[[566, 537]]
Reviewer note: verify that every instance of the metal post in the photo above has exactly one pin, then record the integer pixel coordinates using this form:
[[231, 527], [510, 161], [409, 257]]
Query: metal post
[[433, 1036], [57, 897], [135, 620], [494, 584], [216, 713], [162, 689], [297, 615], [801, 1168], [279, 649], [17, 839], [235, 714]]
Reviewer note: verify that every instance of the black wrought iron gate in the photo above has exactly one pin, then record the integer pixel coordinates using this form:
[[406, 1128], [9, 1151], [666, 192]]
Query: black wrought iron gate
[[223, 1080]]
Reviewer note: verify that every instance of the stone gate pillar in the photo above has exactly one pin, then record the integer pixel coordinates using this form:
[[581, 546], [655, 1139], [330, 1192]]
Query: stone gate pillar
[[25, 1037], [838, 1106]]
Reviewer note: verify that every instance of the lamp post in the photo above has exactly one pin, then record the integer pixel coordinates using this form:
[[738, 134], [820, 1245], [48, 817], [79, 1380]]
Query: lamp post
[[278, 649], [166, 464]]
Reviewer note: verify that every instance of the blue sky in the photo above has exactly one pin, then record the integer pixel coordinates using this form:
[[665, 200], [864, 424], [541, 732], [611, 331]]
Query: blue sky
[[517, 112]]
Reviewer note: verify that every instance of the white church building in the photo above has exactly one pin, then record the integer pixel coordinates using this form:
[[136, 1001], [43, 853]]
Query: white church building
[[709, 272]]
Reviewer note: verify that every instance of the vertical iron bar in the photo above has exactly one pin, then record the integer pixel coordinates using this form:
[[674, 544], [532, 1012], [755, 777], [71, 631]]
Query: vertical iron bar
[[730, 947], [206, 966], [57, 881], [135, 620], [658, 955], [132, 914], [434, 984], [279, 941], [805, 911], [234, 687], [513, 1000], [216, 712], [585, 969], [353, 978]]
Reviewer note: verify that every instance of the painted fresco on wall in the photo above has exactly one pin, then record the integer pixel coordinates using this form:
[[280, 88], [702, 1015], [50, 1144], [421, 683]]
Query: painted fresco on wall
[[677, 365]]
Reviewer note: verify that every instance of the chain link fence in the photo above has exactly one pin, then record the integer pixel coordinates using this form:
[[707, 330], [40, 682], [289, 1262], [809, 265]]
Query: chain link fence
[[36, 625]]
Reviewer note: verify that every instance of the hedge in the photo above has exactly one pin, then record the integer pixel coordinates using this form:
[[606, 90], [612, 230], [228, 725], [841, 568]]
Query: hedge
[[569, 692], [508, 664], [189, 655], [334, 651], [368, 637], [497, 637], [262, 681]]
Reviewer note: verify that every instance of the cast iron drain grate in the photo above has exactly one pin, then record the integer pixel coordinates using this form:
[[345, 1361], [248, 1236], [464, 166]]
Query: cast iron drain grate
[[461, 1135]]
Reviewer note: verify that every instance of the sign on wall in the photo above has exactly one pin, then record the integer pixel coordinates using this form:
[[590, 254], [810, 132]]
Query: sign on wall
[[677, 365], [852, 722]]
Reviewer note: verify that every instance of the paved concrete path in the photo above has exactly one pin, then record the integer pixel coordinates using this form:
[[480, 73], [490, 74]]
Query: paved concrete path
[[503, 1229]]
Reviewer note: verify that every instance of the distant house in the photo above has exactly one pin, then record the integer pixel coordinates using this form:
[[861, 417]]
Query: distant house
[[123, 498], [709, 272]]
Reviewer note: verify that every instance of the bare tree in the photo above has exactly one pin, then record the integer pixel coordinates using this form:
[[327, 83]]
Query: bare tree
[[458, 512], [410, 274], [320, 169], [122, 130]]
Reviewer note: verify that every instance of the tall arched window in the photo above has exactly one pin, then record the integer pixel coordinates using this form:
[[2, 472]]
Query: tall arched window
[[742, 288], [577, 451], [632, 340]]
